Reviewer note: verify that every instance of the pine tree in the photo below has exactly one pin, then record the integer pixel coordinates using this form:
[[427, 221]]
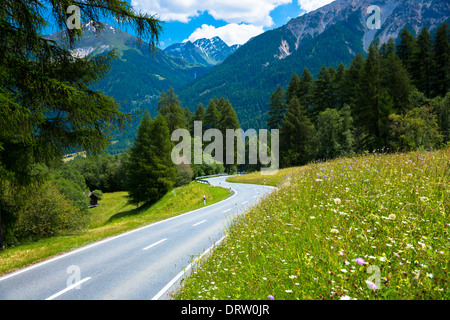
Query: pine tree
[[293, 87], [353, 79], [441, 55], [228, 120], [170, 108], [323, 95], [422, 63], [150, 170], [277, 108], [305, 87], [395, 78], [298, 139], [199, 115], [48, 105], [212, 116], [406, 49], [373, 105]]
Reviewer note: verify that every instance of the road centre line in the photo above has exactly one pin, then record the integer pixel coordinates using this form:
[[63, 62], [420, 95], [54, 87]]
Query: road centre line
[[76, 284], [198, 223], [154, 244]]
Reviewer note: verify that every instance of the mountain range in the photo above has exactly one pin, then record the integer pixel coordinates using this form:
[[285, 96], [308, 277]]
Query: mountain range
[[247, 75], [206, 52], [327, 36]]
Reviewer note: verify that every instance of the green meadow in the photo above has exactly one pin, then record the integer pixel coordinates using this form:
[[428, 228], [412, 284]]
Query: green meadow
[[374, 226]]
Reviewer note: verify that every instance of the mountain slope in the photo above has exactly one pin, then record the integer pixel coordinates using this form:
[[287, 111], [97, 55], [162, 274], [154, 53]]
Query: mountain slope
[[138, 76], [206, 52], [327, 36]]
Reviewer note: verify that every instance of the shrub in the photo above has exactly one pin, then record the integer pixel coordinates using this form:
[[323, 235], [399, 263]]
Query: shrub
[[46, 212]]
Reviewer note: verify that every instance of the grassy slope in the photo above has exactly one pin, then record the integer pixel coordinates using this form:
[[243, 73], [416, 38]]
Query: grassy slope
[[113, 216], [302, 242]]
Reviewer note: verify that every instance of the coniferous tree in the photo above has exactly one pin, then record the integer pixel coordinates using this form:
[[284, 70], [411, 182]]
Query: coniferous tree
[[340, 94], [298, 138], [395, 78], [305, 88], [441, 55], [353, 79], [373, 105], [212, 116], [323, 96], [150, 170], [170, 108], [406, 49], [422, 62], [277, 108], [293, 87], [228, 120], [199, 115]]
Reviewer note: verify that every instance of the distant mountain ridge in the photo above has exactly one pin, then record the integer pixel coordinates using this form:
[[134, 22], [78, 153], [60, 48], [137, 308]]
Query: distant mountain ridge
[[330, 35], [206, 52], [137, 76]]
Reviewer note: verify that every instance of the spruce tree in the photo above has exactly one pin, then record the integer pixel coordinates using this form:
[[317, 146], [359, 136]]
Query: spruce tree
[[406, 49], [199, 115], [170, 108], [298, 138], [441, 56], [150, 170], [212, 116], [423, 63], [277, 108], [293, 87], [323, 95], [305, 87]]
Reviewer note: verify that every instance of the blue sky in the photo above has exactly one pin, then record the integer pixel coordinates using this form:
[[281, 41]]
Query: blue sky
[[235, 21]]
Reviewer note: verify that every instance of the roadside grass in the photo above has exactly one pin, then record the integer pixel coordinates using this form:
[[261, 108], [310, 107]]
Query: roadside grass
[[336, 230], [273, 180], [113, 216]]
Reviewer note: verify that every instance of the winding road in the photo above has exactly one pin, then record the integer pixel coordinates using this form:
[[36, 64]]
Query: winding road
[[142, 264]]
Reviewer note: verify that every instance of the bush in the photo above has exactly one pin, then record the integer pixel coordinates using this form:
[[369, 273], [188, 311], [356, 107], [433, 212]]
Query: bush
[[46, 212], [416, 130]]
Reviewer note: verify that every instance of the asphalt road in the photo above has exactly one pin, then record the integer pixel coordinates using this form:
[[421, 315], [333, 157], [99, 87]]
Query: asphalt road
[[143, 264]]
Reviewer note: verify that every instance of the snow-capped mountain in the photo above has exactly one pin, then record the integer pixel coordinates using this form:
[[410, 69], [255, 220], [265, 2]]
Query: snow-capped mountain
[[207, 52]]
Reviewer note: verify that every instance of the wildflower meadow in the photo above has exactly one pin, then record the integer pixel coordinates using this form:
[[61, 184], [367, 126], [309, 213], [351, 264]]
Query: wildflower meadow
[[374, 226]]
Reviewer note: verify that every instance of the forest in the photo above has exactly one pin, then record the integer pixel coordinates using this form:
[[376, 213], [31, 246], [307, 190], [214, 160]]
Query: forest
[[394, 99]]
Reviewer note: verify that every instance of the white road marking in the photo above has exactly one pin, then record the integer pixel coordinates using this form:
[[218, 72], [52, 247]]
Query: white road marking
[[198, 223], [76, 284], [244, 202], [154, 244], [226, 210]]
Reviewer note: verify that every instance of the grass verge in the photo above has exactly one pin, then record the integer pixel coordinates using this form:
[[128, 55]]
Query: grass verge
[[113, 216], [368, 227]]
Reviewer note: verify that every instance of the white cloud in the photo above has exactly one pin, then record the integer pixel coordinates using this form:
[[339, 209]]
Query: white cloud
[[255, 12], [232, 33], [311, 5]]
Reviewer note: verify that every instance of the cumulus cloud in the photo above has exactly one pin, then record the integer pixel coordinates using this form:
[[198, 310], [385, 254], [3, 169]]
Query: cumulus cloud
[[311, 5], [255, 12], [232, 33]]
